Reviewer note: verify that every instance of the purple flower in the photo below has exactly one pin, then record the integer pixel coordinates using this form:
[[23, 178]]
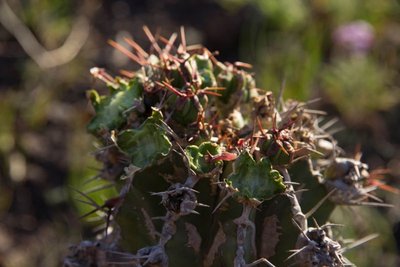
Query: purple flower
[[355, 37]]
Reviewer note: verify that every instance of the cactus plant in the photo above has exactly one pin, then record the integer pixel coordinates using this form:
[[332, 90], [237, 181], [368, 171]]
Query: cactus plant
[[206, 166]]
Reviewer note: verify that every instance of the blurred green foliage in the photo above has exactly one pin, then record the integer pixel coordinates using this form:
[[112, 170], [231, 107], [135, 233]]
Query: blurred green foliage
[[51, 20], [292, 41], [358, 86]]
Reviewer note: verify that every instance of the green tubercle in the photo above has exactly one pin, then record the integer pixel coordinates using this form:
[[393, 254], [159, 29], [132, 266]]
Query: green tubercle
[[205, 69], [147, 143], [199, 156], [110, 109], [255, 180], [237, 84]]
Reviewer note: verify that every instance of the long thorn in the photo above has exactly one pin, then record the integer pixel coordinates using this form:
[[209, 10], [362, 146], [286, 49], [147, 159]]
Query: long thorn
[[279, 100], [183, 39], [87, 197], [319, 204], [137, 47], [125, 51], [359, 242], [297, 251], [262, 260], [228, 195], [99, 188], [152, 39], [329, 123], [170, 43]]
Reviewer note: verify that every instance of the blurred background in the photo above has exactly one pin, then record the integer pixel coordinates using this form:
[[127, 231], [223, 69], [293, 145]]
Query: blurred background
[[345, 52]]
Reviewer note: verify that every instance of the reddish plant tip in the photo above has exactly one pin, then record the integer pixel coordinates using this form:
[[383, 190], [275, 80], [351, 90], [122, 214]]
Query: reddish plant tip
[[225, 156]]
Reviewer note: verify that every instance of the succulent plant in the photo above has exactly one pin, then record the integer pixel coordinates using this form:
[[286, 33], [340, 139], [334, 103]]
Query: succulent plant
[[206, 166]]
